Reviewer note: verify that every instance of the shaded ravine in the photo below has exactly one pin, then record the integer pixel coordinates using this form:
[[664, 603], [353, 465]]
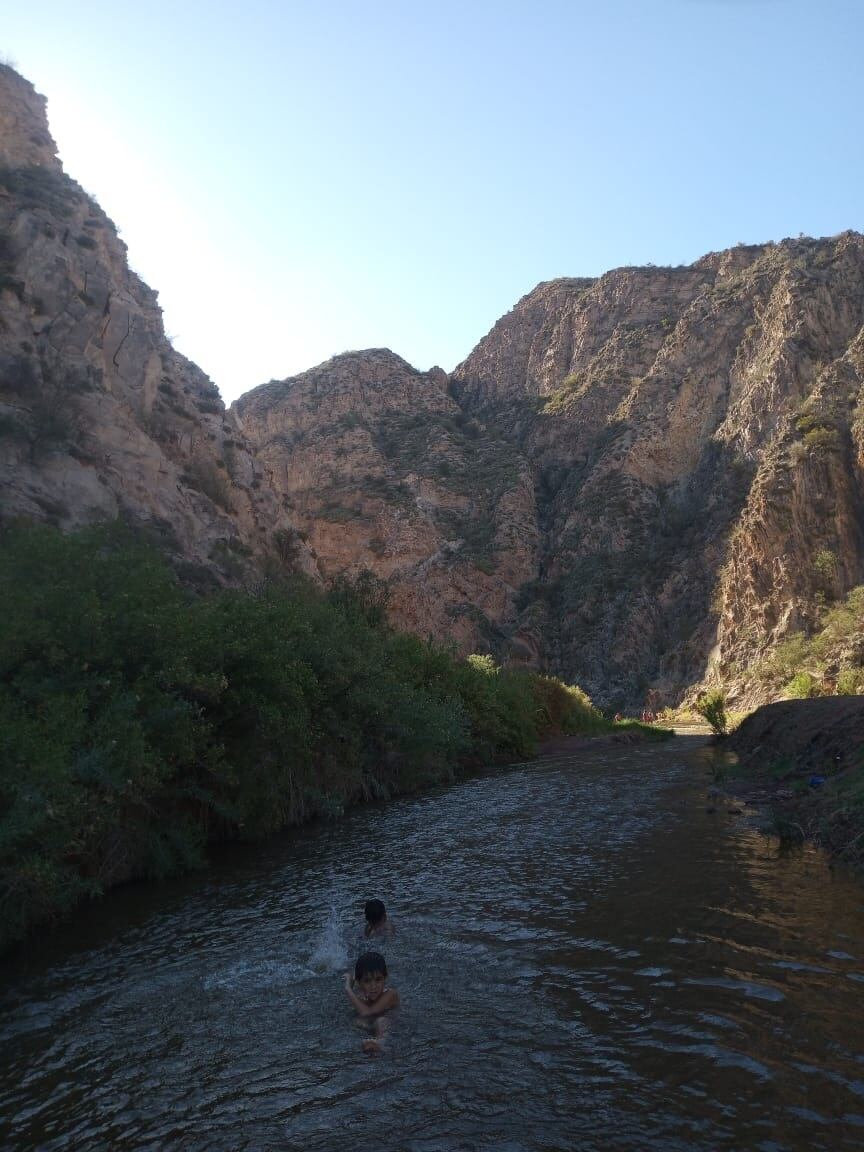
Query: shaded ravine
[[587, 959]]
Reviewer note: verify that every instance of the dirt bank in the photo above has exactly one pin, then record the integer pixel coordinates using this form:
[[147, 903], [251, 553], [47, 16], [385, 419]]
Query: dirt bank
[[806, 759]]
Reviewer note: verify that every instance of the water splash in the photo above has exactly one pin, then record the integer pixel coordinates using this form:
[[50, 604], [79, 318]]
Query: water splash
[[330, 953]]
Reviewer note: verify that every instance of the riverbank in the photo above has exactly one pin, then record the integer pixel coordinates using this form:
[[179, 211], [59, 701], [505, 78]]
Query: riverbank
[[141, 720], [804, 760], [622, 732]]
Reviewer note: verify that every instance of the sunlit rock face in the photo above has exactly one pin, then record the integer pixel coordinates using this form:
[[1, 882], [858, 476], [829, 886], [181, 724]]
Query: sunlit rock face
[[641, 482], [695, 439], [383, 471], [24, 136], [99, 416]]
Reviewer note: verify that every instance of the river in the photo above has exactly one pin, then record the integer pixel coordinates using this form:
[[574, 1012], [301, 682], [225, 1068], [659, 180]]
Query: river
[[588, 958]]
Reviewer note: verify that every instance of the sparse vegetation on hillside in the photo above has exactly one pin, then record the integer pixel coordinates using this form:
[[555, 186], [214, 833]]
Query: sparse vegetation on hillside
[[828, 662], [47, 401], [36, 187], [447, 448], [202, 474]]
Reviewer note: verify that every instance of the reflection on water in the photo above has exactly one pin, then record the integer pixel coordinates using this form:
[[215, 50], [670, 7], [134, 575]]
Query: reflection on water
[[587, 959]]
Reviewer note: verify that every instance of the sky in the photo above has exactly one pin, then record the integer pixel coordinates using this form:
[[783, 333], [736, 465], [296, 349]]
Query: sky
[[297, 178]]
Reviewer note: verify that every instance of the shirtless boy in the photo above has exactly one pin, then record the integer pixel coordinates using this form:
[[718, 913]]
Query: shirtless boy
[[377, 923], [369, 994]]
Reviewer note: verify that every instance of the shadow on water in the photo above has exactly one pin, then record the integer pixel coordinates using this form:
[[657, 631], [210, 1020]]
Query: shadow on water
[[587, 957]]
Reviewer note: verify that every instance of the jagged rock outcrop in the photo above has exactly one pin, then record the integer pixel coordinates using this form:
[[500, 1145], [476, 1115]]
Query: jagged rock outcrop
[[99, 416], [383, 471], [25, 141], [694, 434], [641, 482]]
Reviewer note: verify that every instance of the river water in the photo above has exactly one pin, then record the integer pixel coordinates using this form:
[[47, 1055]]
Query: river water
[[587, 959]]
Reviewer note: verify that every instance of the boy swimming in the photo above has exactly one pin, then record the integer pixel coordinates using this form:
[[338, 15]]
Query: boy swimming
[[377, 923], [370, 995]]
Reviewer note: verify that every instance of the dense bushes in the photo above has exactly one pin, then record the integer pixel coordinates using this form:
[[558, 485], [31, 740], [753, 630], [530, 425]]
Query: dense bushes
[[138, 721]]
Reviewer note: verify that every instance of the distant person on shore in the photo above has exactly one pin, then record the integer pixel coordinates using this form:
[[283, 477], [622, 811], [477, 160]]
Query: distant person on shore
[[377, 924], [369, 994]]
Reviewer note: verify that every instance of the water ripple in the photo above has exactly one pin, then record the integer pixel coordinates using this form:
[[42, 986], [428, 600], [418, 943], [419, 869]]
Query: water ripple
[[585, 958]]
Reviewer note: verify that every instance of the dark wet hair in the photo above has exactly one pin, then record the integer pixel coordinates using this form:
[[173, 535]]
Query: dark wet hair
[[370, 964], [375, 911]]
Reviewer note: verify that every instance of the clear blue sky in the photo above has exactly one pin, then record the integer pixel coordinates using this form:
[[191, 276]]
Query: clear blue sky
[[301, 177]]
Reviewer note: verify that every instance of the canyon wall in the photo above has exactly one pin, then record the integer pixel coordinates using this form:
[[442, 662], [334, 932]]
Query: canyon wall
[[695, 437], [641, 482], [99, 416], [382, 470]]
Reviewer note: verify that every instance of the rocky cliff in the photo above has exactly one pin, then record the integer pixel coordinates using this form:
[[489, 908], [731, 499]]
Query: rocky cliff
[[382, 470], [99, 416], [695, 438], [641, 482]]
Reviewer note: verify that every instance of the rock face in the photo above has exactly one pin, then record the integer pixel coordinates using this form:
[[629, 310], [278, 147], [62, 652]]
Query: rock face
[[99, 416], [641, 482], [695, 437], [382, 470]]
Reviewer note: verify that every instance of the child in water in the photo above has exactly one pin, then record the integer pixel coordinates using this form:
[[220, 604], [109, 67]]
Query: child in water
[[377, 923], [370, 995]]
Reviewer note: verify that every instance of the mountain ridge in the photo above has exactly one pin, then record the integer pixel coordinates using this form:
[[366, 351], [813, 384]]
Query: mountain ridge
[[642, 481]]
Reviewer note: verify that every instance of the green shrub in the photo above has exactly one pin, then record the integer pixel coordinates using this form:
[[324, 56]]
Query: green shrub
[[825, 563], [138, 721], [850, 682], [564, 708], [286, 544], [822, 438], [93, 736], [801, 687], [840, 624], [825, 567], [798, 452], [712, 706], [202, 474], [786, 658]]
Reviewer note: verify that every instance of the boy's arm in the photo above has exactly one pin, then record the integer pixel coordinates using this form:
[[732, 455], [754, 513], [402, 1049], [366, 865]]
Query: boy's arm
[[386, 1001], [362, 1007]]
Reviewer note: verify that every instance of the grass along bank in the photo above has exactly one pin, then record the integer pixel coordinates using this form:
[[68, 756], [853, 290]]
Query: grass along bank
[[140, 721]]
